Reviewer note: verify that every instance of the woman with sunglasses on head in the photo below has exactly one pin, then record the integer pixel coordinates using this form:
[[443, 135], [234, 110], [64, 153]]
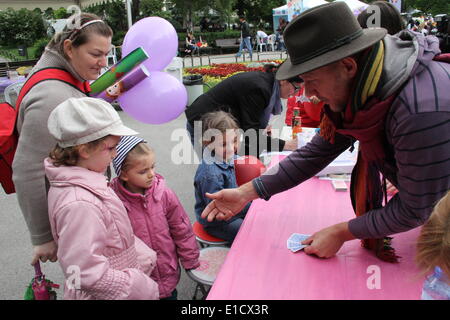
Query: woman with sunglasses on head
[[80, 51], [252, 98]]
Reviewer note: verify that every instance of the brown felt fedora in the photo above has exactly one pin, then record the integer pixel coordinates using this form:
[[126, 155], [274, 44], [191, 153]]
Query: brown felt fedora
[[322, 35]]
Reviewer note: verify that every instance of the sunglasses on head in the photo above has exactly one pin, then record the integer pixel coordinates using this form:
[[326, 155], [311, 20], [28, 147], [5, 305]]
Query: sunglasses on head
[[296, 87]]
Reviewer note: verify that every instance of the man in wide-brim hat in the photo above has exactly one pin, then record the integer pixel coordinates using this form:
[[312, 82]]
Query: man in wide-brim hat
[[392, 93]]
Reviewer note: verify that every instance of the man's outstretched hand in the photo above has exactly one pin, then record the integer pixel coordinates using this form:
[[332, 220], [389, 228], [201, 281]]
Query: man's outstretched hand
[[228, 202]]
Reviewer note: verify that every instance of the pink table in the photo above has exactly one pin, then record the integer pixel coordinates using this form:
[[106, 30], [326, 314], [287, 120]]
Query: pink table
[[259, 266]]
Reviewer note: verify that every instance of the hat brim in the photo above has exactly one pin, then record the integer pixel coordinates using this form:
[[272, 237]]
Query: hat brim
[[121, 130], [369, 37]]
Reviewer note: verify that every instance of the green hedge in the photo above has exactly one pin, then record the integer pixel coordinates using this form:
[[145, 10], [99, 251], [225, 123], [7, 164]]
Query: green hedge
[[34, 52]]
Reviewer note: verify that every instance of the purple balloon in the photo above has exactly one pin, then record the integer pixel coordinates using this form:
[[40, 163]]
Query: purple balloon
[[158, 38], [157, 99]]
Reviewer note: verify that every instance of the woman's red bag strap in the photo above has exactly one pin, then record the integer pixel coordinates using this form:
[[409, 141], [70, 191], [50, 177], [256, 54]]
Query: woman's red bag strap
[[51, 74], [8, 119]]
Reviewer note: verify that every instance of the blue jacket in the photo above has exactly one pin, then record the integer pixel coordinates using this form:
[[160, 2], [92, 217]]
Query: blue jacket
[[213, 176]]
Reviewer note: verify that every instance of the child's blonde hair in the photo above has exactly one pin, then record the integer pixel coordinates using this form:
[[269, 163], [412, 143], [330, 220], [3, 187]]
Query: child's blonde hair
[[433, 244], [218, 120], [140, 149], [69, 156]]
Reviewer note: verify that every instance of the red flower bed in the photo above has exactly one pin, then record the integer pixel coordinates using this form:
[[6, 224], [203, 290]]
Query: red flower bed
[[221, 70]]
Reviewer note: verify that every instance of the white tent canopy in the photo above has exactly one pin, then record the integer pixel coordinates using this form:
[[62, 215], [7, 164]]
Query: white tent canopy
[[355, 5], [280, 11], [277, 13], [295, 7]]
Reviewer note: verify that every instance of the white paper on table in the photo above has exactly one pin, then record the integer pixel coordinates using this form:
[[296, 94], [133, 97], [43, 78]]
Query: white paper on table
[[344, 163]]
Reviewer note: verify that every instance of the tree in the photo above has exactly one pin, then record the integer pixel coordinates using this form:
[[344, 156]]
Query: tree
[[225, 7], [48, 13], [21, 27], [38, 11], [61, 13], [433, 7], [113, 12], [115, 15], [150, 7], [154, 8], [187, 9], [257, 12]]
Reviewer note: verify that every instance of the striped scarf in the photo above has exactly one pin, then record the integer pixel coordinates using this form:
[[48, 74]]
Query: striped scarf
[[364, 119]]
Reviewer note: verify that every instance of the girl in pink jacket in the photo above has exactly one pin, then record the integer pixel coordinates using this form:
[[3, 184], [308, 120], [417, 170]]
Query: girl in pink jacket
[[97, 250], [156, 214]]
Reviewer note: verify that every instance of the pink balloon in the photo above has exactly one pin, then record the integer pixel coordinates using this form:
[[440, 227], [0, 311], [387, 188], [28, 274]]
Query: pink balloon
[[158, 38], [157, 99]]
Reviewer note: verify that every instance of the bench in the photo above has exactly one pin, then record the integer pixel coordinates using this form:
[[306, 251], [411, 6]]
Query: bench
[[182, 48], [3, 69], [228, 44], [24, 63], [200, 53], [13, 65]]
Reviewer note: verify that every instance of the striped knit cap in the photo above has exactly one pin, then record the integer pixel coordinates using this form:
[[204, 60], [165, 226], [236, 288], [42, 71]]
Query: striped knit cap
[[126, 144]]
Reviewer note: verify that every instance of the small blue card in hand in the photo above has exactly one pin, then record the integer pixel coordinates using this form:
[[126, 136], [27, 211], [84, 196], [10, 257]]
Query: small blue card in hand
[[294, 242]]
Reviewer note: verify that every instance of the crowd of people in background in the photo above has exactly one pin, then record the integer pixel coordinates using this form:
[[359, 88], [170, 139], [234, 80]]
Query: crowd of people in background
[[425, 25]]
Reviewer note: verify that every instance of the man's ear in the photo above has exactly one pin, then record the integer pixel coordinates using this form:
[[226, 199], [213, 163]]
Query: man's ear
[[350, 66]]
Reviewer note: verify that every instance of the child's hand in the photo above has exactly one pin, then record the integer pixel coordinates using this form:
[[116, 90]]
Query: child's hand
[[44, 252], [314, 99]]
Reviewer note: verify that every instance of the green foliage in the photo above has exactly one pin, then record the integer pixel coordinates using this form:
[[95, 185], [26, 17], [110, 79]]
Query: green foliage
[[39, 47], [48, 13], [153, 8], [225, 9], [117, 38], [61, 13], [431, 7], [113, 12], [187, 9], [38, 11], [257, 12], [150, 7], [21, 27]]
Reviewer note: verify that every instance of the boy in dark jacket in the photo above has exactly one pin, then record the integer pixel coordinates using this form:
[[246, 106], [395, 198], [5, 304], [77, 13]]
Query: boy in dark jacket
[[245, 38]]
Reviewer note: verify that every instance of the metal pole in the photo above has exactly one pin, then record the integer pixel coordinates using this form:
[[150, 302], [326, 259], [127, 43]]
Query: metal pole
[[130, 22]]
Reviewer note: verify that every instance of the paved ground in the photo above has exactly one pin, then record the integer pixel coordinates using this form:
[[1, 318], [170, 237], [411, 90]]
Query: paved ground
[[15, 255]]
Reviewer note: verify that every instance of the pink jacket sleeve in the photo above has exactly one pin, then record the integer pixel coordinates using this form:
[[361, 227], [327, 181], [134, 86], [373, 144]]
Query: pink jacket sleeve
[[146, 256], [181, 231], [82, 240]]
